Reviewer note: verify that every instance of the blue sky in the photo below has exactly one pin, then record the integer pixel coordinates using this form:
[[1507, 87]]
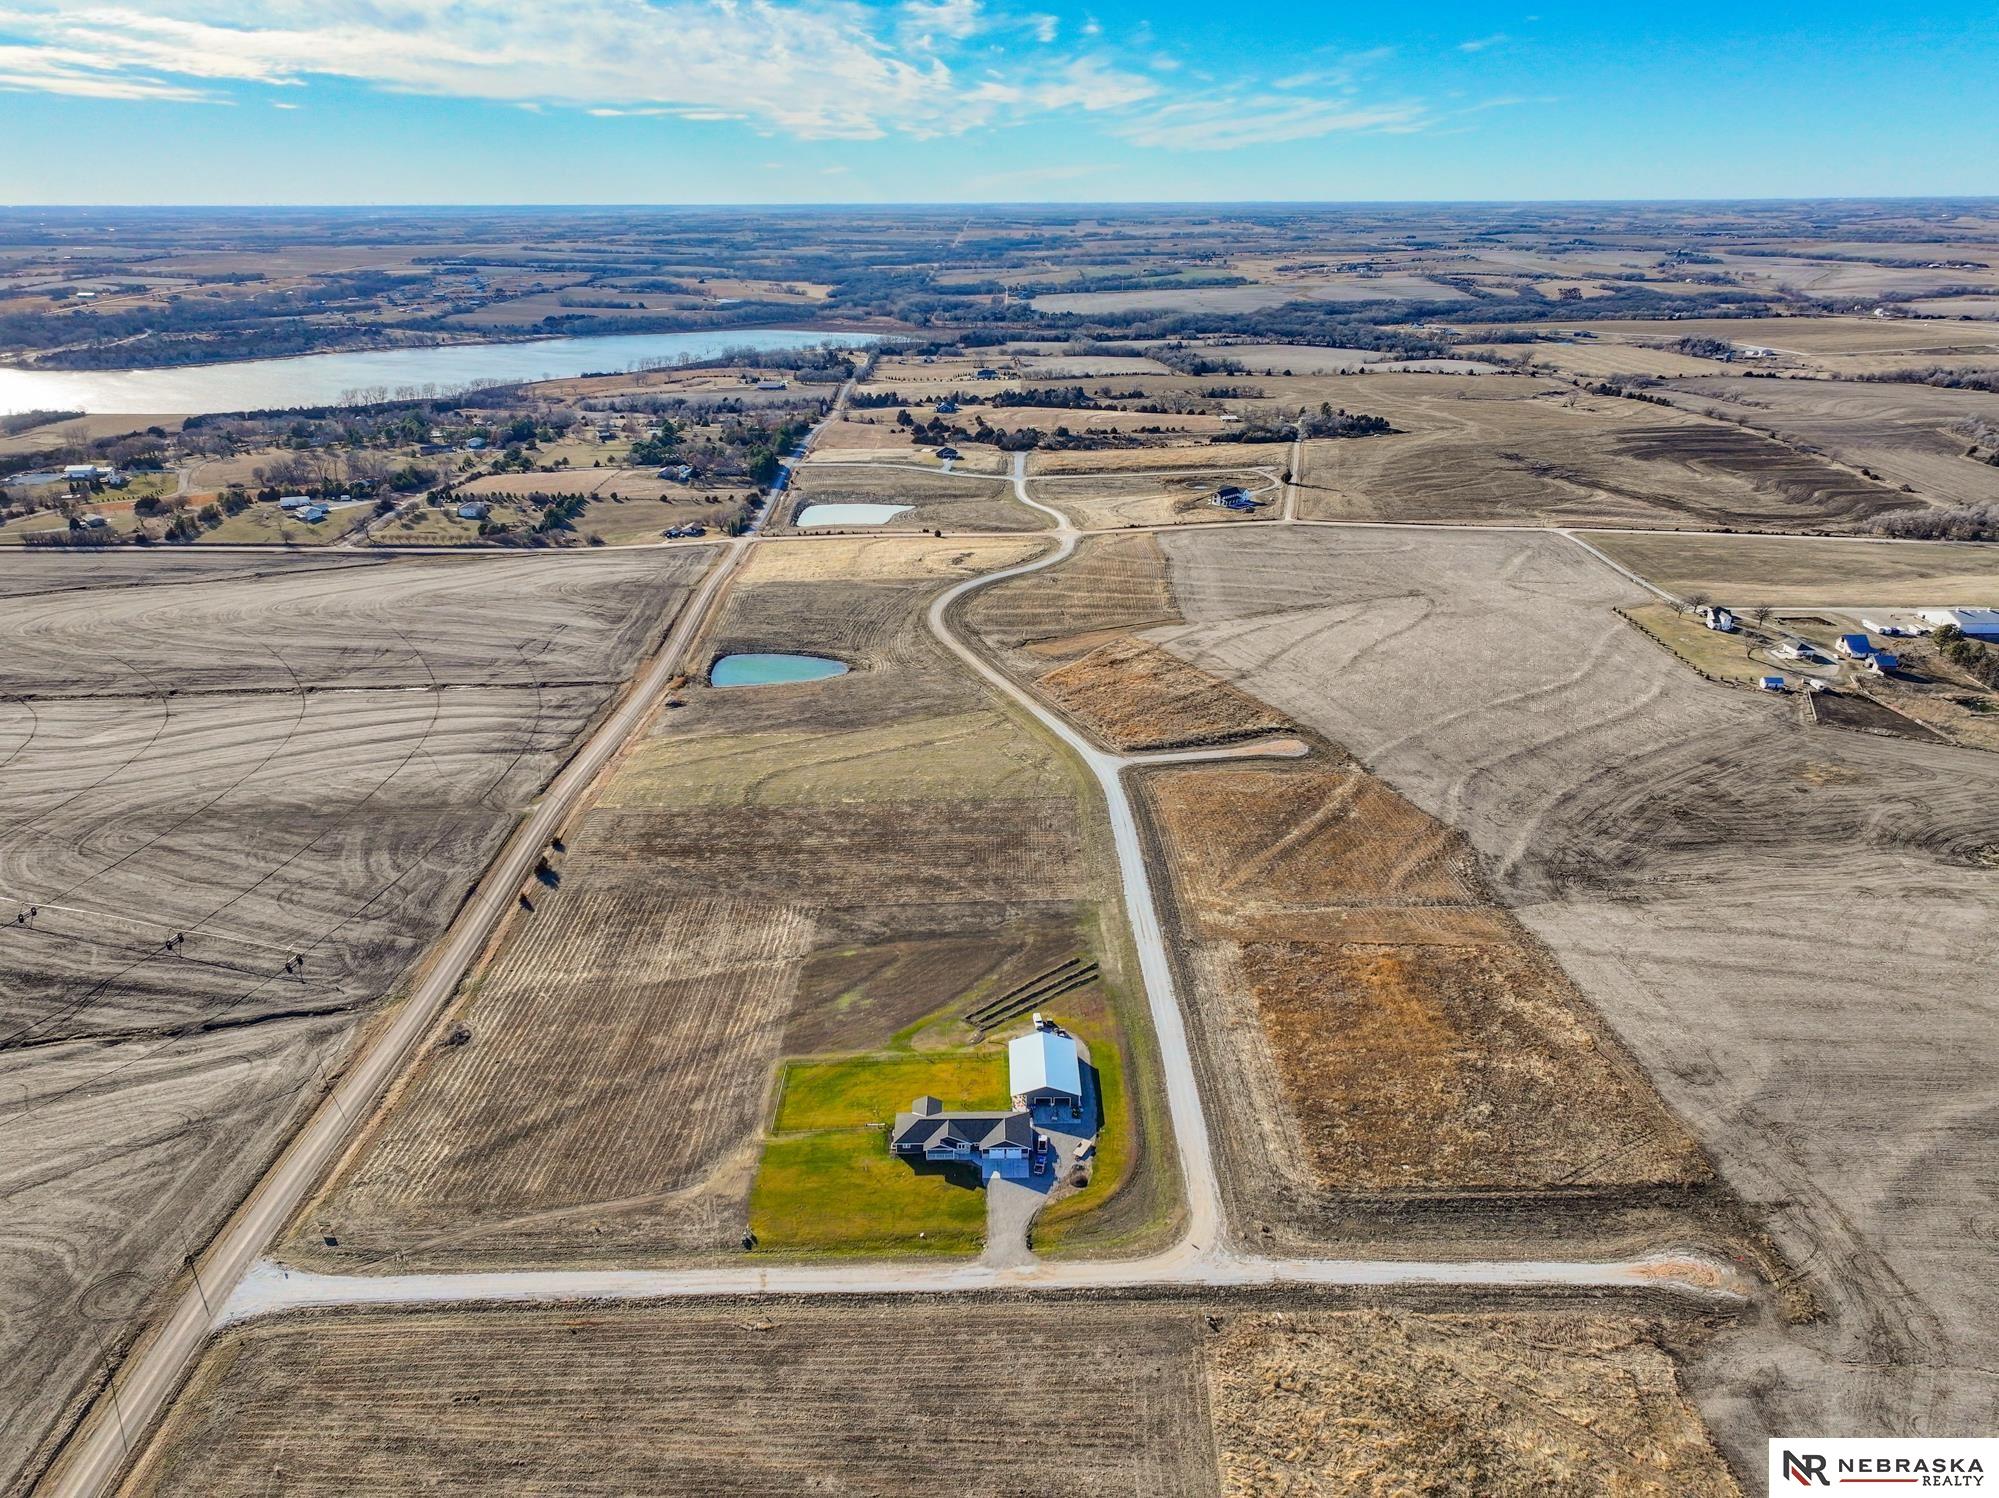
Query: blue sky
[[818, 101]]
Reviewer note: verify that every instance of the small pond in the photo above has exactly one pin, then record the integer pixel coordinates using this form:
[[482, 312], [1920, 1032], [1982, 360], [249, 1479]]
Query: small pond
[[847, 514], [756, 670]]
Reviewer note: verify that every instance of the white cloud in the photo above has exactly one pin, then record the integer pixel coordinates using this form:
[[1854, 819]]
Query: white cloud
[[817, 69], [805, 69], [1480, 43], [927, 22], [1230, 122], [81, 74]]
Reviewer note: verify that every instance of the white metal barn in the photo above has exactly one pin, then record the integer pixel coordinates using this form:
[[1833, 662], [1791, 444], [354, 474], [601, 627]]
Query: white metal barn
[[1044, 1068]]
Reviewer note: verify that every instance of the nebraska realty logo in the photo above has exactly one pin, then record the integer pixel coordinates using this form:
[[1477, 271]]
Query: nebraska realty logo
[[1807, 1462]]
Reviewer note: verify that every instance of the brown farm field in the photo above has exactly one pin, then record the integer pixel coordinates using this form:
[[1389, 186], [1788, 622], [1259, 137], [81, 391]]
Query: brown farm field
[[1157, 497], [1935, 441], [1371, 1022], [212, 765], [1743, 571], [1134, 697], [1148, 1398], [1713, 874], [1521, 449], [757, 839], [1219, 455]]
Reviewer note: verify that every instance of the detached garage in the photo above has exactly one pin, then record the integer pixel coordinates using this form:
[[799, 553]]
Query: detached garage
[[1044, 1068]]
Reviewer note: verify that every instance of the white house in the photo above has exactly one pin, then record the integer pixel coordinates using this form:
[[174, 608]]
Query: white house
[[1772, 683], [1044, 1069], [1714, 616]]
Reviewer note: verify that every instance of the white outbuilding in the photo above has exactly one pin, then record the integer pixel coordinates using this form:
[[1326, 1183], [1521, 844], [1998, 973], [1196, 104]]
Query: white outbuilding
[[1043, 1068], [1976, 624]]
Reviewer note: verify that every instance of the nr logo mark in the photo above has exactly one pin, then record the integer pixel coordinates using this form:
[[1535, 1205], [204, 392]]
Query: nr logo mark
[[1806, 1470]]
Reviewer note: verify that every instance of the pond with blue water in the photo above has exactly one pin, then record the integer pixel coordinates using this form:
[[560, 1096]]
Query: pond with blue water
[[764, 670]]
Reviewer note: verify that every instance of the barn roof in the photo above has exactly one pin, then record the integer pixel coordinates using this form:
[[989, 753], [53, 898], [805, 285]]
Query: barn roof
[[1044, 1061]]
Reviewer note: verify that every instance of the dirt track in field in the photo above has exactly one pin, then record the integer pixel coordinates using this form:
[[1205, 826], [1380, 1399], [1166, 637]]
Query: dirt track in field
[[1793, 929]]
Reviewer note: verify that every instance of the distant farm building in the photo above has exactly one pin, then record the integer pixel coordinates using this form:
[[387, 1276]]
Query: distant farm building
[[95, 522], [770, 384], [1976, 624], [985, 374], [947, 408], [1044, 1069], [1854, 647], [1716, 617], [1881, 662], [1233, 497], [294, 502], [473, 510], [1773, 683], [313, 514], [680, 473], [948, 453]]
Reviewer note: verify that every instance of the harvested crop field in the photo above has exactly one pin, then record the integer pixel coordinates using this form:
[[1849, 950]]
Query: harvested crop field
[[1790, 928], [747, 1399], [1521, 449], [1806, 571], [1509, 1404], [1139, 459], [1369, 1021], [1138, 1397], [1111, 585], [663, 1012], [883, 559], [1910, 434], [1133, 696], [212, 767]]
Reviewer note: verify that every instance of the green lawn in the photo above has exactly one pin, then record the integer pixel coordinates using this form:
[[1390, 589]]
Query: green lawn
[[1724, 657], [855, 1091], [840, 1191], [827, 1183]]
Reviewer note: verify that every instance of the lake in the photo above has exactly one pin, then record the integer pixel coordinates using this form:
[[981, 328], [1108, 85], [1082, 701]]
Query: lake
[[761, 670], [333, 379]]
